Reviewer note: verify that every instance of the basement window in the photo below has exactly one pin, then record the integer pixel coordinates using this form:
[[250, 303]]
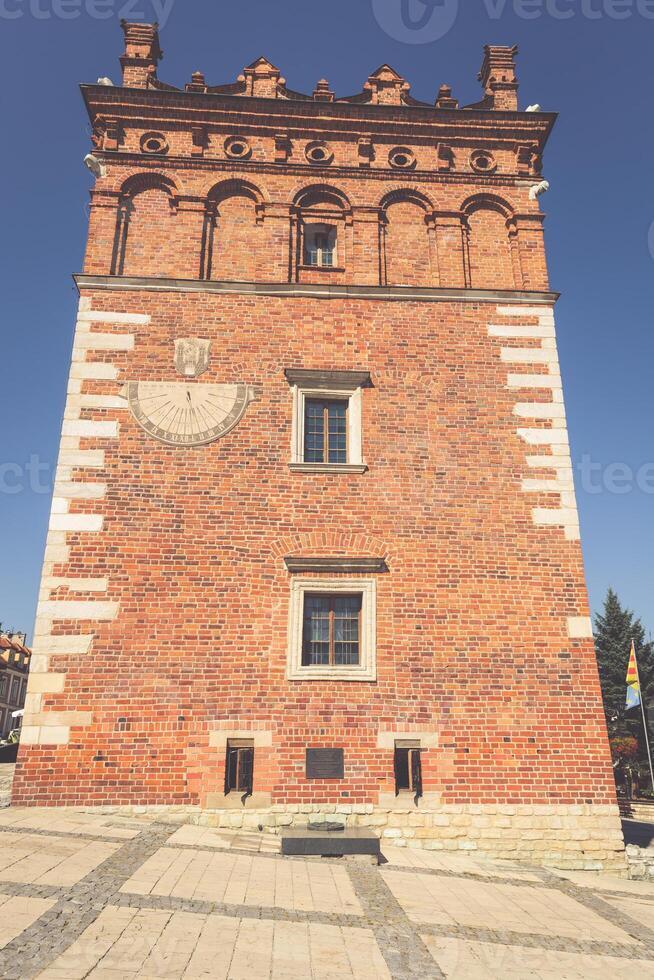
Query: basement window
[[239, 767], [408, 768]]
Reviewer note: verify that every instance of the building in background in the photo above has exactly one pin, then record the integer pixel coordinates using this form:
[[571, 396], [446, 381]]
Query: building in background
[[315, 432], [14, 668]]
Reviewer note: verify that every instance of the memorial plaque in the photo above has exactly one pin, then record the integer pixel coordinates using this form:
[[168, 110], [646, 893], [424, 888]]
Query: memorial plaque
[[325, 764]]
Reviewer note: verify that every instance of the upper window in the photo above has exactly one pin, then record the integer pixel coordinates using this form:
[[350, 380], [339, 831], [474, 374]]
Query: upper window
[[320, 246], [15, 688], [4, 683], [332, 630], [325, 431], [327, 409]]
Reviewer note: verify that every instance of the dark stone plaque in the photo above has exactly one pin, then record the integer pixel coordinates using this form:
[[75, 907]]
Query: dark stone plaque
[[325, 764]]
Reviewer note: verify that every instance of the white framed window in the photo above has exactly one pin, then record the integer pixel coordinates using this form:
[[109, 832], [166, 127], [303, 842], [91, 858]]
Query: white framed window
[[326, 434], [332, 629], [320, 246]]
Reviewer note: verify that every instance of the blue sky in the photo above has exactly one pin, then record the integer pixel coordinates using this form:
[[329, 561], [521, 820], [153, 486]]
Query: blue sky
[[591, 60]]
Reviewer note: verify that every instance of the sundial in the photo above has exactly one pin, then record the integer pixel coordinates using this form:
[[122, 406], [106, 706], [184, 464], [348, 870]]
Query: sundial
[[188, 413]]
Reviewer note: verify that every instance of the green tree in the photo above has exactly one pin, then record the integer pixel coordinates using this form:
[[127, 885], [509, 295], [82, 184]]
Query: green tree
[[615, 628]]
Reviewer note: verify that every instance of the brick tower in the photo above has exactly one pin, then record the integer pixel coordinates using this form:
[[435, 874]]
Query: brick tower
[[314, 545]]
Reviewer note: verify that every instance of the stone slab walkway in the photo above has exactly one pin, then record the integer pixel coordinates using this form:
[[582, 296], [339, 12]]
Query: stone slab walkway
[[110, 897]]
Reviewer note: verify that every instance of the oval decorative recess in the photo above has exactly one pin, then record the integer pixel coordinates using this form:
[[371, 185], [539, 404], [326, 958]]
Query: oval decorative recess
[[483, 162], [154, 143], [238, 148], [319, 152], [402, 158]]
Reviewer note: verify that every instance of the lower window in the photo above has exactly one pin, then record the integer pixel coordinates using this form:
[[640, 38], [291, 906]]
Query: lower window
[[239, 767], [408, 768], [332, 629], [331, 632]]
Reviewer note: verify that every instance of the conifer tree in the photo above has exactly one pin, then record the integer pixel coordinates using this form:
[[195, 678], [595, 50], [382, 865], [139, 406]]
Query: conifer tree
[[615, 628]]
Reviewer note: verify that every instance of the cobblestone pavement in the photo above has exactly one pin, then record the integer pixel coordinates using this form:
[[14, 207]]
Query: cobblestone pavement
[[110, 897]]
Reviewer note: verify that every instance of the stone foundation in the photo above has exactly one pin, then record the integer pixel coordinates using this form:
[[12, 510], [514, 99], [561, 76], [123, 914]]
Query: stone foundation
[[577, 837]]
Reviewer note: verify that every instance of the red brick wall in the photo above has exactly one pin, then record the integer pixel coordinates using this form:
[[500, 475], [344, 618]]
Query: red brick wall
[[472, 631], [472, 638], [256, 234]]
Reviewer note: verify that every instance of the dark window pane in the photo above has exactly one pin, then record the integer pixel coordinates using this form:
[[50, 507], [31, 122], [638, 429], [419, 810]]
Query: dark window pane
[[346, 629], [416, 772], [231, 769], [245, 767], [402, 772], [315, 642], [337, 432], [314, 431]]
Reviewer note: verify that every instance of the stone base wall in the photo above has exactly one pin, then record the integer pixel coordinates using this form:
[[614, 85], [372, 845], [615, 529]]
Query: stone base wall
[[577, 837], [641, 862]]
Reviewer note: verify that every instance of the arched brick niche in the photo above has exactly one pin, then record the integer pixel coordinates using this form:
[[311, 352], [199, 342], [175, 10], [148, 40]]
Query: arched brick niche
[[407, 241], [322, 241], [492, 250], [146, 239], [236, 242]]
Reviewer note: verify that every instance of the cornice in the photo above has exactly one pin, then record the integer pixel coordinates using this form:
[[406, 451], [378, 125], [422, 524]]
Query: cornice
[[420, 294], [272, 114]]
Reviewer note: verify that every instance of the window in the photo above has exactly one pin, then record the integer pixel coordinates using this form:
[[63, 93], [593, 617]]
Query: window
[[325, 431], [4, 684], [15, 687], [239, 767], [408, 768], [23, 692], [320, 246], [331, 630], [327, 411]]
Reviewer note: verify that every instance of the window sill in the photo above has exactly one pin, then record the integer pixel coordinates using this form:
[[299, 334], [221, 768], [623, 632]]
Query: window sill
[[321, 268], [332, 674], [327, 467]]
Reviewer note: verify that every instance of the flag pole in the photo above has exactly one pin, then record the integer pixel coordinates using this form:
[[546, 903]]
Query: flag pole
[[642, 708]]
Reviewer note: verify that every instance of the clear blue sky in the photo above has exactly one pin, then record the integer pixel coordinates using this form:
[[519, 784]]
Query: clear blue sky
[[593, 68]]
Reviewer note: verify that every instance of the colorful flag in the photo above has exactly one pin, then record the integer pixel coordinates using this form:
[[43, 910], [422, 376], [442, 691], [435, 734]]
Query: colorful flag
[[633, 683]]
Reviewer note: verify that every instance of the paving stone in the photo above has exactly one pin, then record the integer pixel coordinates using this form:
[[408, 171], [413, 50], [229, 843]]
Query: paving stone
[[152, 910]]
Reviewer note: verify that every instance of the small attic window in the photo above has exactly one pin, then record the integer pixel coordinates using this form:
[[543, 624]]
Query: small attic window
[[402, 158], [238, 148], [154, 143], [319, 153]]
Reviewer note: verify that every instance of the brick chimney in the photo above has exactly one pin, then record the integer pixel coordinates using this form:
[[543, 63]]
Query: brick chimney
[[498, 77], [142, 54]]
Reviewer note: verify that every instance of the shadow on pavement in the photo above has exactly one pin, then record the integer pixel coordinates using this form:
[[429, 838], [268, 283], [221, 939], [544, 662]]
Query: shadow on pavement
[[637, 832]]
